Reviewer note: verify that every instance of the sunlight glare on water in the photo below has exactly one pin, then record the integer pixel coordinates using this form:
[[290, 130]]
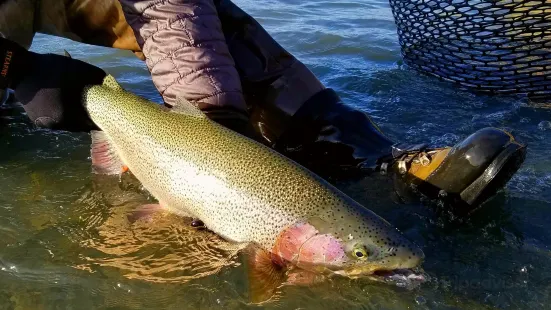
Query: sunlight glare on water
[[68, 241]]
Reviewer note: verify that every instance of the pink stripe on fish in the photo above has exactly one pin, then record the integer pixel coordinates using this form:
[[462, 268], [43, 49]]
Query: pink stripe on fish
[[302, 245], [290, 240], [322, 250]]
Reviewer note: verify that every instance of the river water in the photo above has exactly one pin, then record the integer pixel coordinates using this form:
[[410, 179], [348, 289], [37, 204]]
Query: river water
[[66, 242]]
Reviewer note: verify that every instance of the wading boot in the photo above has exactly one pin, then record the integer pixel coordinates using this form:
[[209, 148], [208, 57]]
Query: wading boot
[[296, 115], [462, 176]]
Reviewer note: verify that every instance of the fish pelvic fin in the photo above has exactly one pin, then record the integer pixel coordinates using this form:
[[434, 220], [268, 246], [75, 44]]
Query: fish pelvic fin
[[105, 159], [183, 106], [265, 276], [146, 212], [110, 82]]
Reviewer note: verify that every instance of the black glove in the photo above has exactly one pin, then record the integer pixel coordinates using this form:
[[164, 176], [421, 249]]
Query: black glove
[[49, 86], [13, 62]]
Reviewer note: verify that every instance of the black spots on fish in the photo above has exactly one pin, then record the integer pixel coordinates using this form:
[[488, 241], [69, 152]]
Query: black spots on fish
[[240, 190]]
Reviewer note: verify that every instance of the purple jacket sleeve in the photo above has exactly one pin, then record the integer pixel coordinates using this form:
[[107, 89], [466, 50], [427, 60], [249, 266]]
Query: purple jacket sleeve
[[186, 52]]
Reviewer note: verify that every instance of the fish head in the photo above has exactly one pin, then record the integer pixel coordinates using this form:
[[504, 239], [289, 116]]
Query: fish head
[[390, 254], [355, 245]]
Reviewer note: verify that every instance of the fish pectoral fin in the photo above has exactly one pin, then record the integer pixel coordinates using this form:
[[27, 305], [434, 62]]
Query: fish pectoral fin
[[105, 159], [183, 106], [264, 275]]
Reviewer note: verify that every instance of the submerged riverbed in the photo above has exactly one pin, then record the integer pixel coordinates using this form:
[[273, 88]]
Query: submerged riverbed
[[66, 242]]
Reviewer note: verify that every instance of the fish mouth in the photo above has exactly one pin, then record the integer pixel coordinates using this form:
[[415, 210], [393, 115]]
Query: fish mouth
[[407, 278], [402, 277]]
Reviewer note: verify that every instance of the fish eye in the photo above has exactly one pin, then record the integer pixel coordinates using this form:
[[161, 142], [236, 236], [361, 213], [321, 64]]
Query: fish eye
[[360, 252]]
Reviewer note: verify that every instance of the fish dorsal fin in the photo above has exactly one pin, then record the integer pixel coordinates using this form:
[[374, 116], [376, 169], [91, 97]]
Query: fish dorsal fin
[[67, 54], [183, 106], [105, 159], [110, 82]]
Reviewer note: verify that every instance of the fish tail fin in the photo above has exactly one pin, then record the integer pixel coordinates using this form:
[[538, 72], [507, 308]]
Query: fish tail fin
[[105, 159]]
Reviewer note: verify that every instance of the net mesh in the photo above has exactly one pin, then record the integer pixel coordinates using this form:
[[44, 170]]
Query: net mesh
[[493, 46]]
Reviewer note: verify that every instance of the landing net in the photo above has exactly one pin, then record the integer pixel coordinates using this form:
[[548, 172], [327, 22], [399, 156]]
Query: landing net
[[493, 46]]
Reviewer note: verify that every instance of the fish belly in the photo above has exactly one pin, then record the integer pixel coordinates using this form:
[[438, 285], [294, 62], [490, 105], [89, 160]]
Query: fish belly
[[186, 186]]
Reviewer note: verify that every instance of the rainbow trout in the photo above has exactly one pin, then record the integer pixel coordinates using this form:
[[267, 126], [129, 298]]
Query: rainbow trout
[[240, 189]]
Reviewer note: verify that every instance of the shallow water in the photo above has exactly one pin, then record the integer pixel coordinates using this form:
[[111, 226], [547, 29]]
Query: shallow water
[[66, 241]]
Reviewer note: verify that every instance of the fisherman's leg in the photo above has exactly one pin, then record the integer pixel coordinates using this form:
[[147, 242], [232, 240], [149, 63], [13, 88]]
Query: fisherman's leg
[[297, 116], [98, 22]]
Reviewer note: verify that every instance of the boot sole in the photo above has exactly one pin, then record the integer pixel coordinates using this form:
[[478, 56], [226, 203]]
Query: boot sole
[[496, 175]]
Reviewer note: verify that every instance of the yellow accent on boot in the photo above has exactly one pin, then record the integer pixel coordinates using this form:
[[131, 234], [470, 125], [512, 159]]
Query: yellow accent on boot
[[423, 172]]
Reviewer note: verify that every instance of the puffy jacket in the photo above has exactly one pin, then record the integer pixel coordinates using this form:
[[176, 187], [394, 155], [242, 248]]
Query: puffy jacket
[[186, 52]]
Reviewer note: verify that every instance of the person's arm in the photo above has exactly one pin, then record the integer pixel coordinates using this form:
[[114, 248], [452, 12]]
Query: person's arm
[[187, 55], [49, 86]]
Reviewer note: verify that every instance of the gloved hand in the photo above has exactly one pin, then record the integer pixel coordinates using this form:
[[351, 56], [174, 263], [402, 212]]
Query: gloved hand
[[49, 86]]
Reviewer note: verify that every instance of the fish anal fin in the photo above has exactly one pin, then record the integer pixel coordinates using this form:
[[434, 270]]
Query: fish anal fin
[[145, 212], [105, 159], [264, 275], [301, 277], [183, 106]]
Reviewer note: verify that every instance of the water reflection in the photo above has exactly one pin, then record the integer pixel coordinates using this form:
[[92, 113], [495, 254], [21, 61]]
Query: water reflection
[[160, 247]]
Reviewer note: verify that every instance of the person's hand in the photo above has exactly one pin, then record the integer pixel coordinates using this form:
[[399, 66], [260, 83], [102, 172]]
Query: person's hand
[[50, 86], [14, 63]]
